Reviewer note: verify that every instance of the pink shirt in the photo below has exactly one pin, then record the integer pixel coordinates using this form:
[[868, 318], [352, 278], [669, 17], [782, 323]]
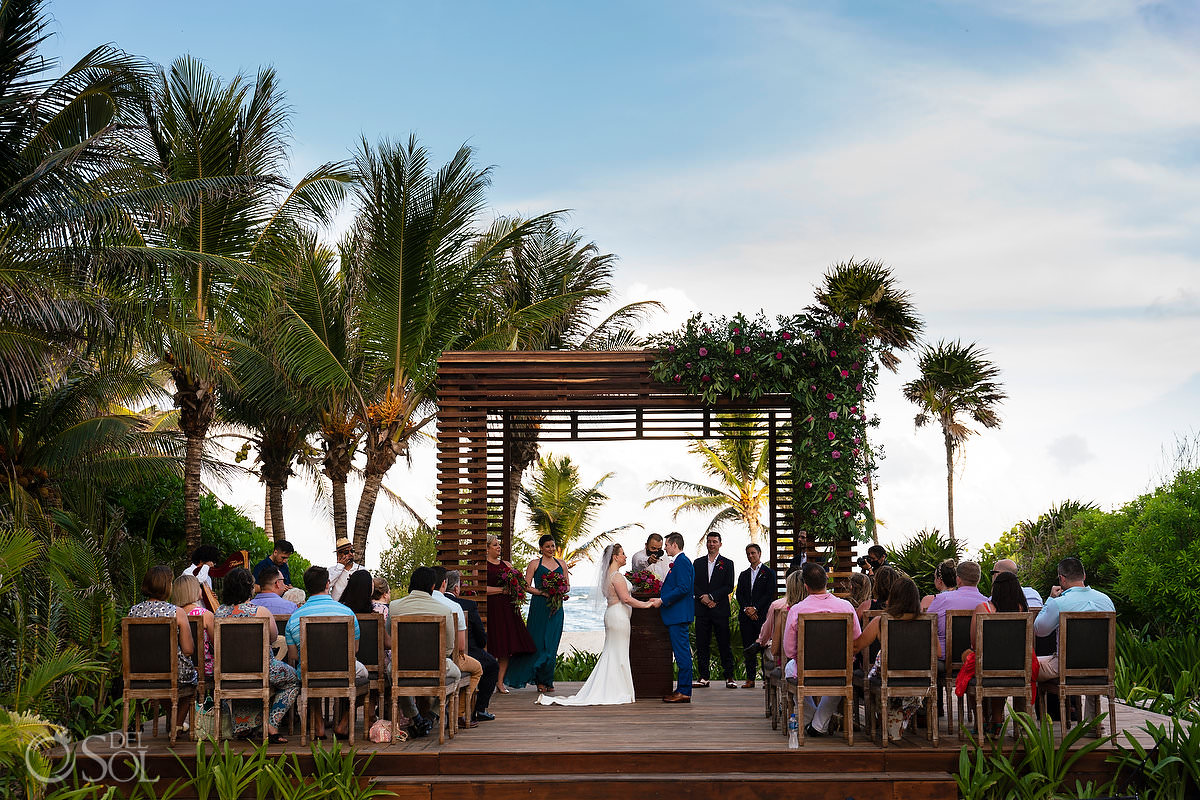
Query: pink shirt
[[816, 604], [768, 627]]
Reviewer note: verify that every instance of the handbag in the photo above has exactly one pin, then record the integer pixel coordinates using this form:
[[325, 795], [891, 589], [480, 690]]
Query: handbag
[[206, 720]]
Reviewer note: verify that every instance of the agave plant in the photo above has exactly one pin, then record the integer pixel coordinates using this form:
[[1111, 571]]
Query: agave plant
[[919, 556]]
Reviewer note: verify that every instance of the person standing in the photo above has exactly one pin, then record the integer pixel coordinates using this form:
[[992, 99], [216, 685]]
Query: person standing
[[340, 572], [713, 585], [649, 555], [756, 589], [476, 648], [678, 611], [466, 664], [278, 559], [545, 628], [507, 634]]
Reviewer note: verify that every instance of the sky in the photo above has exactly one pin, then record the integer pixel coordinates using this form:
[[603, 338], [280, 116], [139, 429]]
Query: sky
[[1029, 169]]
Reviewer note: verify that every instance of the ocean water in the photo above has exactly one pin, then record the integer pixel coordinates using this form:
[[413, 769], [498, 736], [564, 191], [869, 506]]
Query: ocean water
[[579, 614]]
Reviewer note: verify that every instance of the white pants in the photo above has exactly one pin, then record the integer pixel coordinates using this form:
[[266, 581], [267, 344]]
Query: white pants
[[818, 714]]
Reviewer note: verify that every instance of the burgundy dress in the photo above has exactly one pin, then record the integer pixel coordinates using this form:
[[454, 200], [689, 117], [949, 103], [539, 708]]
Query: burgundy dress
[[507, 634]]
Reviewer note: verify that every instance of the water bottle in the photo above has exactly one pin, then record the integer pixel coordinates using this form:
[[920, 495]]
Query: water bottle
[[793, 733]]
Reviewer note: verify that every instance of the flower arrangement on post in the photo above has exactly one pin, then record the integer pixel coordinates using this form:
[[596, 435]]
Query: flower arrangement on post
[[645, 583], [513, 584], [554, 587]]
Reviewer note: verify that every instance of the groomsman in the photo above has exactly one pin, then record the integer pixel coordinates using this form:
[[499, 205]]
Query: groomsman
[[714, 584], [756, 590]]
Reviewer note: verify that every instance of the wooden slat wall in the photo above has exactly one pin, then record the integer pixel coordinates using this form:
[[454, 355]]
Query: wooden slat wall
[[578, 396]]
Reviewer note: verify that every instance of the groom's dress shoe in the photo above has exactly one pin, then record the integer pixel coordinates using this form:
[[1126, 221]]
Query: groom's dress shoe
[[749, 684], [676, 697]]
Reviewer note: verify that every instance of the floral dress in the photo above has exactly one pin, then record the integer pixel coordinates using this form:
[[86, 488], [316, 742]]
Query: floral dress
[[208, 664], [900, 709], [162, 609], [285, 685]]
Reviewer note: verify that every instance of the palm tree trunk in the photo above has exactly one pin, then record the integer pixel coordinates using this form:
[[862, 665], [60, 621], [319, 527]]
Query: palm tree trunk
[[950, 482], [338, 457], [755, 528], [515, 475], [275, 503], [196, 401], [381, 455], [191, 491], [871, 502], [267, 526], [340, 515]]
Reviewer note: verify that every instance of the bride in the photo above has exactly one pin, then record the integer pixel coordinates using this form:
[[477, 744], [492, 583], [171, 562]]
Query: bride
[[611, 682]]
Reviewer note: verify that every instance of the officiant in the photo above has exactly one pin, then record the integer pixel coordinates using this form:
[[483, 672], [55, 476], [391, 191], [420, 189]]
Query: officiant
[[756, 590], [652, 557]]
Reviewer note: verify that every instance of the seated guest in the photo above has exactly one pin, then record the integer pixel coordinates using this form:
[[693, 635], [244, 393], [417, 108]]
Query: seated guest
[[965, 597], [204, 558], [861, 590], [819, 601], [320, 604], [295, 595], [1007, 596], [156, 586], [381, 595], [466, 664], [793, 586], [270, 589], [278, 559], [185, 593], [476, 647], [1070, 594], [420, 600], [883, 578], [357, 595], [1008, 565], [945, 579], [903, 603], [285, 681]]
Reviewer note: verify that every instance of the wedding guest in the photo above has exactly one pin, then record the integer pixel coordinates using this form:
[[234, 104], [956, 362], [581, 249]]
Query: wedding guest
[[185, 593], [462, 659], [793, 586], [357, 594], [270, 590], [156, 586], [1007, 596], [861, 590], [965, 597], [507, 635], [544, 628], [883, 578], [876, 557], [381, 595], [903, 603], [714, 584], [204, 558], [756, 589], [285, 681], [818, 601], [340, 572], [295, 595], [1008, 565], [278, 559], [425, 712], [944, 580], [476, 648]]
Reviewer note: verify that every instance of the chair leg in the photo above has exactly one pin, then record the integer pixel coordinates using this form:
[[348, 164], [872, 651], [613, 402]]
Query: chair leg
[[848, 723], [266, 718], [216, 717], [1112, 712], [353, 714], [172, 713], [800, 698], [979, 717], [442, 722], [1063, 719], [302, 710]]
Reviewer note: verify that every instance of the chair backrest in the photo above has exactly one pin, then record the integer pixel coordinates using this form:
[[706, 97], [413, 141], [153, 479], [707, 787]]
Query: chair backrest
[[1005, 645], [370, 641], [148, 652], [824, 648], [281, 621], [327, 650], [1087, 644], [909, 648], [240, 651], [418, 649], [873, 648], [780, 622], [958, 636]]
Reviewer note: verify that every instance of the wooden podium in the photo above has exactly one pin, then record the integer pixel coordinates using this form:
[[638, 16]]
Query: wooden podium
[[650, 656]]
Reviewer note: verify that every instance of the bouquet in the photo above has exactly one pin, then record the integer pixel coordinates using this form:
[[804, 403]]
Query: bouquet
[[513, 584], [554, 587], [644, 582]]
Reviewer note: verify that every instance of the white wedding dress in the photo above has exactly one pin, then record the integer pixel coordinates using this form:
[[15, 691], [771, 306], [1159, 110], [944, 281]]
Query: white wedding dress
[[611, 682]]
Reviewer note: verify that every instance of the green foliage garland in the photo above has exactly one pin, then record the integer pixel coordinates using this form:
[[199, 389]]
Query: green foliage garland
[[828, 369]]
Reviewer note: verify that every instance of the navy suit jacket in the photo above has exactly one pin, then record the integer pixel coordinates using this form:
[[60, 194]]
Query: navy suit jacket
[[678, 607]]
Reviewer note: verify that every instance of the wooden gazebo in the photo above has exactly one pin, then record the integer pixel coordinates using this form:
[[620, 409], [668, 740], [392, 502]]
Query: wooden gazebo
[[489, 400]]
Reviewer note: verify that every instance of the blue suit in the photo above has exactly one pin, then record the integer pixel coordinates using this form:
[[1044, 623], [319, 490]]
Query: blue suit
[[678, 611]]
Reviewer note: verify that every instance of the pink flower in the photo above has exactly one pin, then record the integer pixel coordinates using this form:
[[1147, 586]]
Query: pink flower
[[853, 408], [705, 378], [746, 349], [762, 335], [866, 479], [671, 349], [812, 363], [845, 373], [808, 484], [829, 396], [828, 497], [858, 440], [736, 377], [854, 365], [841, 325], [862, 505], [809, 418], [678, 378], [850, 493], [832, 436], [833, 415], [708, 330], [844, 514], [812, 388], [736, 331], [786, 336], [703, 352], [779, 356], [688, 365], [854, 451], [833, 487], [833, 353], [836, 454], [858, 388], [813, 512]]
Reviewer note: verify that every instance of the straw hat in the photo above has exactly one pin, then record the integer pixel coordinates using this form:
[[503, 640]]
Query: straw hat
[[343, 544]]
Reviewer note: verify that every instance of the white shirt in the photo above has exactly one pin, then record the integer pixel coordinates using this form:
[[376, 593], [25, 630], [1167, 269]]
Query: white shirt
[[661, 567], [338, 576], [712, 563], [754, 574], [460, 616], [199, 574]]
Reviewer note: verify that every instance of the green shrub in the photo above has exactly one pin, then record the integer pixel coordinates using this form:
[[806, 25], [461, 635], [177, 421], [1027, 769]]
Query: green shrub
[[408, 547], [919, 556]]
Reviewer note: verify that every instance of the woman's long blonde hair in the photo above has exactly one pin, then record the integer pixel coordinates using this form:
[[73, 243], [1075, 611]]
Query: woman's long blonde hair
[[794, 585], [185, 590]]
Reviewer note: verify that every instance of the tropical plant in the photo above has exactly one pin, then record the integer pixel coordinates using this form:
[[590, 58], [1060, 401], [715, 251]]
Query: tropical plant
[[408, 547], [865, 294], [1168, 769], [739, 461], [957, 380], [920, 555], [1159, 674], [561, 507]]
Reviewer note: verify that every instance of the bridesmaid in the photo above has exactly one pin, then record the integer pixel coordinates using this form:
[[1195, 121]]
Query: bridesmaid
[[507, 635], [545, 628]]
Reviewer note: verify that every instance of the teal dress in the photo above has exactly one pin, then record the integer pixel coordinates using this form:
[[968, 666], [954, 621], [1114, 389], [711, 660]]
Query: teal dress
[[546, 630]]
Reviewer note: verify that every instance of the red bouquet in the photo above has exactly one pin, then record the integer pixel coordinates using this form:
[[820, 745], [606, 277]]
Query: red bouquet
[[644, 582], [513, 584], [554, 587]]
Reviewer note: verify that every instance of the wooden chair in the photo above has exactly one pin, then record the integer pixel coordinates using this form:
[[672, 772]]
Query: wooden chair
[[1087, 662], [241, 667], [419, 665], [150, 667], [860, 677], [281, 621], [825, 661], [198, 634], [773, 679], [327, 666], [1003, 652], [371, 638], [907, 668], [958, 642]]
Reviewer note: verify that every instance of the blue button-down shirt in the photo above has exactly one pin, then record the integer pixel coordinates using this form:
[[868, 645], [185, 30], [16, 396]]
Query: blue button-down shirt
[[1076, 598], [319, 605]]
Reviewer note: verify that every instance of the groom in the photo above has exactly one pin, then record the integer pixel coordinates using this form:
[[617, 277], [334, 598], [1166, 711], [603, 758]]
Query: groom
[[678, 611]]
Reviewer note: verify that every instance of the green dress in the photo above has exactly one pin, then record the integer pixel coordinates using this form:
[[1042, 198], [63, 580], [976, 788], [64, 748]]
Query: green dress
[[546, 630]]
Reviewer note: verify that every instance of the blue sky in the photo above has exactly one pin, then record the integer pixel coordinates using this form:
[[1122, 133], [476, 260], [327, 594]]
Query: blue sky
[[1028, 168]]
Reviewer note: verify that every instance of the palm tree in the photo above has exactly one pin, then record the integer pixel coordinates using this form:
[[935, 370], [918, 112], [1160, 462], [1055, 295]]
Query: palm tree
[[864, 293], [558, 505], [957, 380], [740, 463]]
